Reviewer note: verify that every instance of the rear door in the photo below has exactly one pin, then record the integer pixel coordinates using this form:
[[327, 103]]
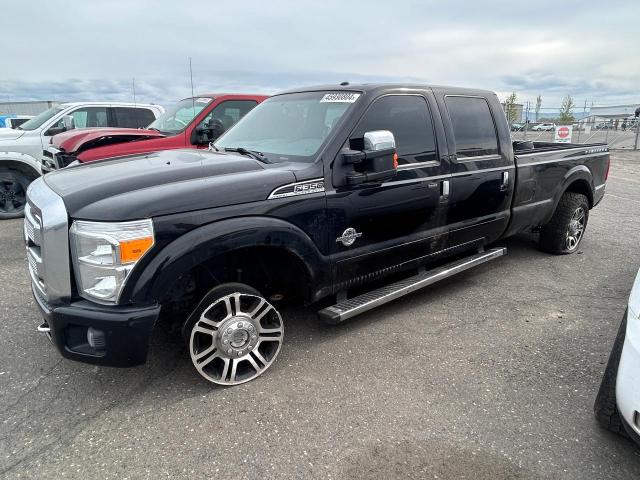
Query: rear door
[[482, 169], [403, 220]]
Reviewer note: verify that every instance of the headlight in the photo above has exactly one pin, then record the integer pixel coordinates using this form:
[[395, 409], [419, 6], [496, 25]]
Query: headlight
[[105, 253]]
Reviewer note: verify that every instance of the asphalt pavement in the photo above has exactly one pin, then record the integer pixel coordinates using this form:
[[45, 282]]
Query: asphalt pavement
[[491, 374]]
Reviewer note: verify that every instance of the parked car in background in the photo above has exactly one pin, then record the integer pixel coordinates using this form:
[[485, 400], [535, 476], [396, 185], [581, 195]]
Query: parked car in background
[[21, 148], [517, 127], [604, 126], [544, 127], [190, 123], [617, 405], [13, 121], [316, 192]]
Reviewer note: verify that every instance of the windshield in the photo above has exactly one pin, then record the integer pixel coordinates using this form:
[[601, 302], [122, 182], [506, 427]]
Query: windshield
[[289, 127], [176, 118], [36, 122]]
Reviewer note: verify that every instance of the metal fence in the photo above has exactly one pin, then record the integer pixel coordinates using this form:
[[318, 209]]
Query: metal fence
[[615, 138]]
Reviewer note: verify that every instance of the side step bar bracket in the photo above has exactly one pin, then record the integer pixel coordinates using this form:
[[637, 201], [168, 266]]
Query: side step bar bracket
[[349, 308]]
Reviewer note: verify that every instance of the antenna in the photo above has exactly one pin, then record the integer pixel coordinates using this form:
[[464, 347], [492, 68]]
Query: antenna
[[133, 85], [193, 100]]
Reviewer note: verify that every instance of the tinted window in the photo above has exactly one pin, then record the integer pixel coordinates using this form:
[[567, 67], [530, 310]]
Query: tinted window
[[473, 128], [229, 112], [129, 117], [408, 118]]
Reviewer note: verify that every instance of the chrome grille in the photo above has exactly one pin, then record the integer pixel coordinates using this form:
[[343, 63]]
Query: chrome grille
[[33, 239], [47, 243]]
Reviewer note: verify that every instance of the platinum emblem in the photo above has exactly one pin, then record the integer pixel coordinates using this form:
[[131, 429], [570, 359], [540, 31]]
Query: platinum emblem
[[349, 237]]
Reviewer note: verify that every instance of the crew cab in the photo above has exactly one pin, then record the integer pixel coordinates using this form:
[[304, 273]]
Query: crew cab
[[356, 194], [21, 148], [191, 123]]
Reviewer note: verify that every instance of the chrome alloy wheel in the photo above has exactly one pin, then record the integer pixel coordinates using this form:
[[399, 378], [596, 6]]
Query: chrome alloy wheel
[[575, 229], [236, 339]]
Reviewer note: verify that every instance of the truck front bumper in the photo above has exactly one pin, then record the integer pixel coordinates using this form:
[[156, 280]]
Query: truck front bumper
[[120, 335]]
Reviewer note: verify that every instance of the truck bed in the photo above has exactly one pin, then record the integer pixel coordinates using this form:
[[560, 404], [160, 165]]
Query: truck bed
[[542, 166]]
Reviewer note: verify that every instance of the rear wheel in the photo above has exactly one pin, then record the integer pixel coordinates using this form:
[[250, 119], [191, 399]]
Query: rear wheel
[[13, 193], [234, 335], [565, 230], [605, 407]]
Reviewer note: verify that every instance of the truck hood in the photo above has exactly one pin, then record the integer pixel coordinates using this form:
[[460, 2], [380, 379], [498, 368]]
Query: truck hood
[[10, 134], [163, 183], [75, 141]]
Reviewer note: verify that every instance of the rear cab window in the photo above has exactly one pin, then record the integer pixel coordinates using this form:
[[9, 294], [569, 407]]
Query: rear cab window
[[130, 117], [473, 127]]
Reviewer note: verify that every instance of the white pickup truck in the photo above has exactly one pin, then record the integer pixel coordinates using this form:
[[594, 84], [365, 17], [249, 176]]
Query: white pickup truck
[[21, 148]]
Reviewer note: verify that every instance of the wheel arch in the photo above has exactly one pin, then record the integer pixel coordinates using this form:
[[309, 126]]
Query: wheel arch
[[22, 162], [223, 239]]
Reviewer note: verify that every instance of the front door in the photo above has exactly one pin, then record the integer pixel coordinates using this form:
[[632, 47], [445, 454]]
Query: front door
[[378, 229]]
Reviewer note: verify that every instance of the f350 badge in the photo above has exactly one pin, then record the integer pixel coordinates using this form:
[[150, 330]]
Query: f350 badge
[[349, 236]]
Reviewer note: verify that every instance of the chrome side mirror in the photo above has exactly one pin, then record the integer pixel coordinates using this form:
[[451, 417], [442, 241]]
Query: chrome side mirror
[[379, 140]]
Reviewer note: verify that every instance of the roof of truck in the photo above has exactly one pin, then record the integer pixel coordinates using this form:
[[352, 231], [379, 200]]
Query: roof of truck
[[381, 87]]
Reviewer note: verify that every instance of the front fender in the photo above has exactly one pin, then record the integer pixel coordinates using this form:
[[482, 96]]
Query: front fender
[[22, 159], [151, 280]]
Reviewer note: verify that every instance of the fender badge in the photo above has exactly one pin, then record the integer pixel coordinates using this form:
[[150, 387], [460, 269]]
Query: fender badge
[[349, 236]]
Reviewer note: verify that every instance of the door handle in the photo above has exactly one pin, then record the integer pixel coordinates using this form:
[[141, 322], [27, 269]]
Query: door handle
[[505, 181], [444, 193]]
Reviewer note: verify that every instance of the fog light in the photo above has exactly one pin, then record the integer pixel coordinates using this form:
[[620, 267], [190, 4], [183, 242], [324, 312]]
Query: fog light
[[96, 338]]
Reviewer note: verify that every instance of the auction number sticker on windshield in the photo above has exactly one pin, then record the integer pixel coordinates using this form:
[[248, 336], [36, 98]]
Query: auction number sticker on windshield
[[340, 97], [203, 100]]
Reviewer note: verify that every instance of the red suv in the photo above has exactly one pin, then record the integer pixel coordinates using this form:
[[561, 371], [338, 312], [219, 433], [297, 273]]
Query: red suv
[[191, 123]]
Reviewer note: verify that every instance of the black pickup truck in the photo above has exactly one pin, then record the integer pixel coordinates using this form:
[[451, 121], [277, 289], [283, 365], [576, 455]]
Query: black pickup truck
[[356, 193]]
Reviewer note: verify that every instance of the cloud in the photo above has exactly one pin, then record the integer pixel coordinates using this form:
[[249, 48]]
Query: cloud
[[80, 50]]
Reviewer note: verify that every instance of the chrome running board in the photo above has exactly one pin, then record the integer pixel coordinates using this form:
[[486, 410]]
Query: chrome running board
[[354, 306]]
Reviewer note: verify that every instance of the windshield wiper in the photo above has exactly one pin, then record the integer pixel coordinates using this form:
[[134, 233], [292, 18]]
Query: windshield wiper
[[251, 153]]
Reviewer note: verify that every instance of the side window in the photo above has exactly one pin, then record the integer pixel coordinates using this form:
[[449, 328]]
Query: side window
[[129, 117], [229, 112], [473, 127], [409, 119], [87, 117]]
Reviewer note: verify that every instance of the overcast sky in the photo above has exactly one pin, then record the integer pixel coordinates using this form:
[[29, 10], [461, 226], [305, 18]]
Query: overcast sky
[[91, 50]]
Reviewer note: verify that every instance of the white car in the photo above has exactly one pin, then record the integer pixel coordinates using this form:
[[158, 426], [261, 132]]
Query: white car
[[21, 148], [544, 127], [617, 405]]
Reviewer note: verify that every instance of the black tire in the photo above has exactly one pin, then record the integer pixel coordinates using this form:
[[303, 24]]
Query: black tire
[[13, 193], [605, 406], [560, 235], [215, 292]]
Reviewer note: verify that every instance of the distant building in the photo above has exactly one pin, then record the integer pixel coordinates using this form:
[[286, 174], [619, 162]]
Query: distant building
[[610, 113], [517, 107], [26, 108]]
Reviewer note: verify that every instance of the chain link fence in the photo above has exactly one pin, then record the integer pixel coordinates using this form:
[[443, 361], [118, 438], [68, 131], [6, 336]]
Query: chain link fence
[[626, 139]]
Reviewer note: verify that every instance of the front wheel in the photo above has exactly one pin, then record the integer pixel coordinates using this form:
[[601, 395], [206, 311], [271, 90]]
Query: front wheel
[[234, 335], [13, 193], [565, 230]]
